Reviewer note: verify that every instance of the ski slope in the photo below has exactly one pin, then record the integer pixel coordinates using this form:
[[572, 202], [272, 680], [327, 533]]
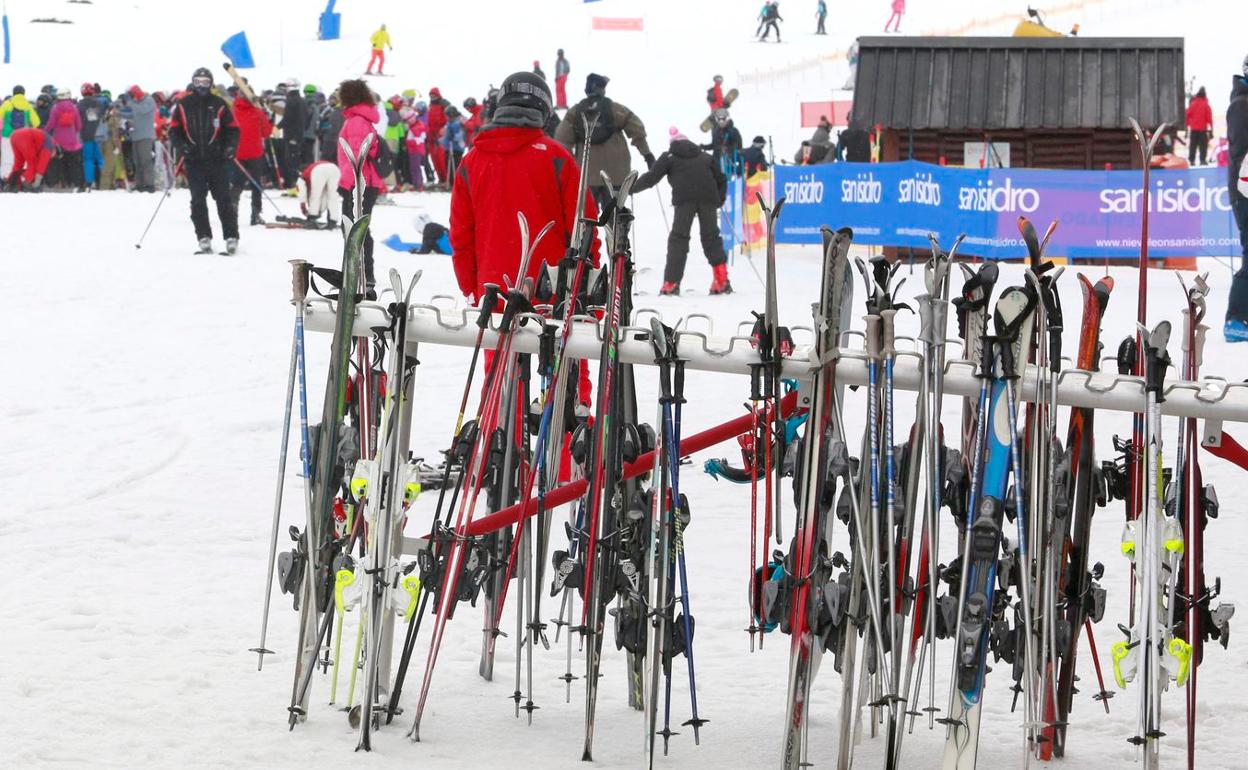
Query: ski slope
[[142, 413]]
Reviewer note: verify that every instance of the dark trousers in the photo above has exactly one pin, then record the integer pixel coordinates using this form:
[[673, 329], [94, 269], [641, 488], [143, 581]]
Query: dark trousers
[[348, 207], [768, 27], [678, 239], [205, 177], [293, 158], [1197, 142], [240, 182], [1237, 307], [819, 30], [71, 168]]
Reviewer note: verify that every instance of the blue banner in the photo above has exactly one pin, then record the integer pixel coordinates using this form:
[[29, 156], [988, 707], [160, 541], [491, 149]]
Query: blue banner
[[730, 214], [1098, 212]]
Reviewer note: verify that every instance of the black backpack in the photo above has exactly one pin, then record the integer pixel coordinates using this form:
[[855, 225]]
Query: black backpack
[[383, 162]]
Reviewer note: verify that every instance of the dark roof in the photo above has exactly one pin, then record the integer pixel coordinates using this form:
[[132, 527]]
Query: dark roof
[[1018, 82]]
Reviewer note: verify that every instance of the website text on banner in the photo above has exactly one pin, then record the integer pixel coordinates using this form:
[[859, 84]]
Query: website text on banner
[[898, 204]]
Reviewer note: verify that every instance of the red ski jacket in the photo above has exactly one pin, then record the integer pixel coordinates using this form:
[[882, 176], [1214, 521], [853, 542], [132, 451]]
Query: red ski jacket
[[1199, 114], [253, 128], [510, 170]]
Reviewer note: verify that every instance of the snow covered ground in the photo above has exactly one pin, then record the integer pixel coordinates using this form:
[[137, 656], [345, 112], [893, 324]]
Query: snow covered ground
[[142, 425], [142, 413]]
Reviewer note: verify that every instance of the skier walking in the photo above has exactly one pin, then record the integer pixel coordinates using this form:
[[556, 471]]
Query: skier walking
[[821, 15], [562, 70], [899, 10], [612, 122], [771, 20], [1199, 121], [698, 190], [513, 168], [205, 137], [1236, 328], [359, 115], [139, 109], [379, 40]]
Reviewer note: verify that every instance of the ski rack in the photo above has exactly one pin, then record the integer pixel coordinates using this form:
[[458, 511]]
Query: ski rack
[[445, 321]]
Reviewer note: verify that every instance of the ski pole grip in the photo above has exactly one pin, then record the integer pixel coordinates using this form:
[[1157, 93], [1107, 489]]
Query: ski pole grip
[[488, 301], [940, 314], [873, 336], [888, 338], [299, 272]]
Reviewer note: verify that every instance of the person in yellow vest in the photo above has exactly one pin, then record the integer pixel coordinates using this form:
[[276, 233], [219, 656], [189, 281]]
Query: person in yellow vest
[[380, 38]]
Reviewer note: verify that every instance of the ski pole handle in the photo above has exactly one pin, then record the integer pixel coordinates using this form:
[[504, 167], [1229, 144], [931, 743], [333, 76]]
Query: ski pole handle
[[873, 336], [888, 319], [487, 305], [300, 269]]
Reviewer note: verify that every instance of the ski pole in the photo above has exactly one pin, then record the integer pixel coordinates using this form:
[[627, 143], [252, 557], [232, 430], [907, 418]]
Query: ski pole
[[239, 165], [159, 203]]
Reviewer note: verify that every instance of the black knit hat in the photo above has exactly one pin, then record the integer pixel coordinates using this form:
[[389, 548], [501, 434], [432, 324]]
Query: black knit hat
[[595, 84], [760, 141], [525, 89]]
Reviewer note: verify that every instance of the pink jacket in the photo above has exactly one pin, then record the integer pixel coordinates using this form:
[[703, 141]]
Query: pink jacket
[[65, 125], [899, 6], [357, 123]]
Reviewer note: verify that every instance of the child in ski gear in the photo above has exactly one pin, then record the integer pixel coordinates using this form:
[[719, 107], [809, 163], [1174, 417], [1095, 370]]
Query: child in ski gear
[[821, 15], [612, 123], [205, 137], [1236, 328], [16, 113], [316, 185], [453, 141], [417, 146], [899, 10], [394, 132], [32, 151], [65, 127], [715, 94], [434, 238], [91, 110], [359, 115], [473, 123], [513, 168], [1199, 121], [725, 144], [378, 40], [562, 70], [771, 20], [698, 190]]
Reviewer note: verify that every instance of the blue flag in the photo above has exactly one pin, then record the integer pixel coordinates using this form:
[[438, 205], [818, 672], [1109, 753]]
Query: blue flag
[[238, 51], [6, 38]]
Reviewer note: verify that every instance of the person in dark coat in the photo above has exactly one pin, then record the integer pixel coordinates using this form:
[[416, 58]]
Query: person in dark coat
[[854, 143], [294, 125], [771, 20], [615, 127], [725, 143], [753, 158], [331, 124], [698, 190], [1236, 328], [205, 137]]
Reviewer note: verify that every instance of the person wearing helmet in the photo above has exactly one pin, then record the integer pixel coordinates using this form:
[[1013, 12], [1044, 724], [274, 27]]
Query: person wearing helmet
[[65, 126], [473, 123], [15, 113], [205, 135], [612, 122], [414, 142], [513, 168], [715, 94], [562, 70], [437, 120], [331, 124], [393, 136], [725, 145], [91, 109], [1236, 328], [293, 125]]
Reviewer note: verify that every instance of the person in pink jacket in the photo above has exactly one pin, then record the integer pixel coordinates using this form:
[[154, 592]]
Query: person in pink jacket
[[359, 115], [899, 10], [65, 126]]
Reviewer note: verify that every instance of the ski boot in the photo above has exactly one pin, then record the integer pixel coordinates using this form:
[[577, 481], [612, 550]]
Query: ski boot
[[256, 219], [1235, 330], [231, 246], [720, 284], [205, 246], [669, 289]]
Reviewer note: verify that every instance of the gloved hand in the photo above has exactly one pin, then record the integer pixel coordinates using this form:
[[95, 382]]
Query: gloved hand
[[649, 159]]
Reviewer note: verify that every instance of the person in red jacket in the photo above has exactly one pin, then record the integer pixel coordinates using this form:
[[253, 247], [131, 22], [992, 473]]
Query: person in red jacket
[[514, 167], [437, 121], [473, 123], [32, 151], [1199, 127], [248, 169]]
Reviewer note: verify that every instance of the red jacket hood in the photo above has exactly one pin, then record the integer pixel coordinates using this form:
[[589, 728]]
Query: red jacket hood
[[505, 140]]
